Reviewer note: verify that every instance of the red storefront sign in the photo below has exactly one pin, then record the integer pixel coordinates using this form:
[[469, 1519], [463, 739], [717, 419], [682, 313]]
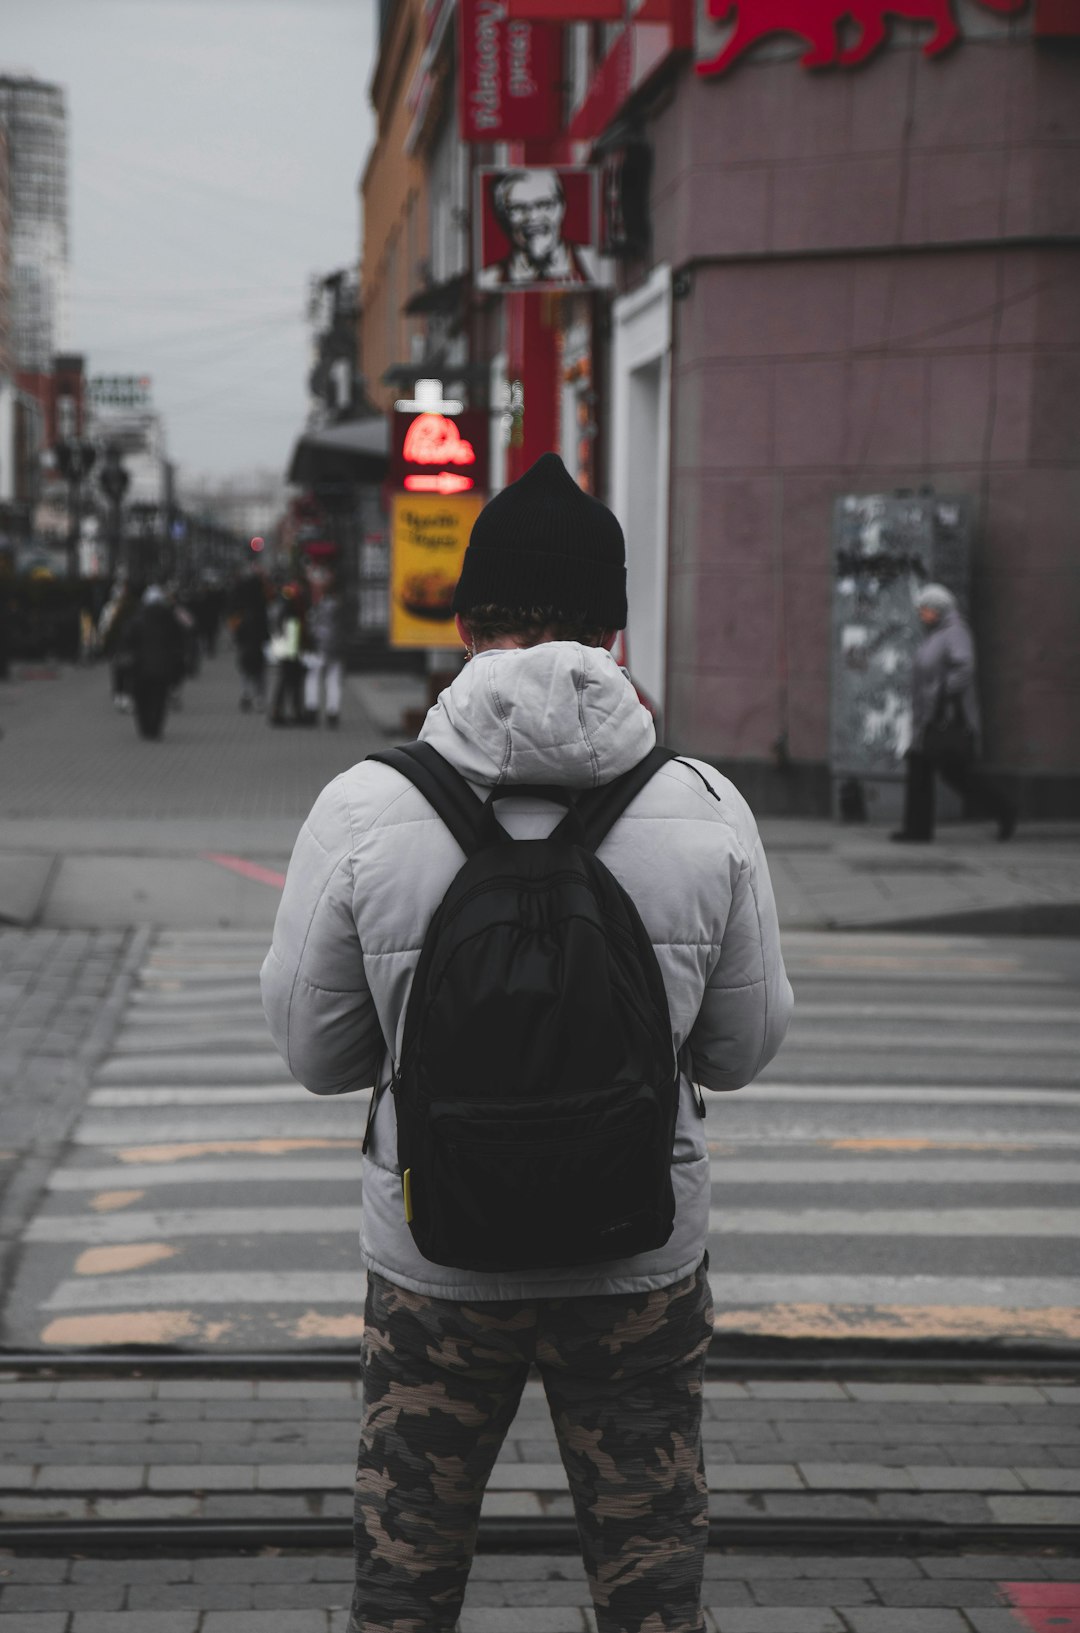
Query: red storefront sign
[[437, 453], [1057, 18], [568, 11], [511, 72], [817, 22]]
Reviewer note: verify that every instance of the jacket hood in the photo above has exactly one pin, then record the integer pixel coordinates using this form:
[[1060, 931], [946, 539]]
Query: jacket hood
[[557, 713]]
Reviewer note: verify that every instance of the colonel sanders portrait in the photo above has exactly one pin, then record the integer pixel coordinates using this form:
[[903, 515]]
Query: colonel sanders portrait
[[530, 206]]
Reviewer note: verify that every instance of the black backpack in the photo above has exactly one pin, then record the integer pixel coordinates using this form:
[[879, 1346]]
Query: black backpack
[[537, 1089]]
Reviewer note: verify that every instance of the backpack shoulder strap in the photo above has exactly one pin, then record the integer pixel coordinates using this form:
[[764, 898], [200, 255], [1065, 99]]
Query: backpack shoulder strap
[[446, 791], [601, 808]]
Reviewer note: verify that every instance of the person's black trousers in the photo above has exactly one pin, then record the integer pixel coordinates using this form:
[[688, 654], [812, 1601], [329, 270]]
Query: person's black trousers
[[288, 691], [980, 792], [150, 697]]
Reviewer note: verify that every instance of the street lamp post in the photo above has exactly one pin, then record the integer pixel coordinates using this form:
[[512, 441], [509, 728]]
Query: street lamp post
[[115, 480], [75, 460]]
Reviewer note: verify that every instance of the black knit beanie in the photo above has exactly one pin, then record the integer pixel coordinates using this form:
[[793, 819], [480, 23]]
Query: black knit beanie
[[542, 542]]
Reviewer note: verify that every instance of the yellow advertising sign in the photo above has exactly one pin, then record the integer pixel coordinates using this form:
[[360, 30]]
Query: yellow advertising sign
[[428, 536]]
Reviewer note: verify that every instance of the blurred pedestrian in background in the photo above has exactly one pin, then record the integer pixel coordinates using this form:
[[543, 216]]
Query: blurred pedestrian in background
[[113, 622], [251, 634], [945, 723], [207, 610], [326, 660], [288, 642], [6, 621], [179, 598], [154, 643]]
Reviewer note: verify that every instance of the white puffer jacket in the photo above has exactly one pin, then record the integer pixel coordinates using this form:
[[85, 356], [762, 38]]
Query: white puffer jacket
[[373, 861]]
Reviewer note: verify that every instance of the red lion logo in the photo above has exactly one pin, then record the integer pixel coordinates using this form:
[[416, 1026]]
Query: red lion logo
[[818, 21]]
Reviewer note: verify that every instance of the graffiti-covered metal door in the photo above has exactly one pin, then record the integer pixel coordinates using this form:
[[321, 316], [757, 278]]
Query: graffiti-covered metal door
[[885, 547]]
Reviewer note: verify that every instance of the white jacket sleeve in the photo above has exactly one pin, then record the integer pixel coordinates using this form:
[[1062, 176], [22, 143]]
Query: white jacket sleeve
[[314, 987], [748, 1001]]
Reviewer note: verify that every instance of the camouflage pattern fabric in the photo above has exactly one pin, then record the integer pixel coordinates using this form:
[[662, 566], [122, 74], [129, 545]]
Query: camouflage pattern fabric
[[442, 1381]]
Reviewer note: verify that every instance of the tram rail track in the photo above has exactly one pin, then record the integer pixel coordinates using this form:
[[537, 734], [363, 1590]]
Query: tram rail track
[[542, 1535], [730, 1360], [843, 1360]]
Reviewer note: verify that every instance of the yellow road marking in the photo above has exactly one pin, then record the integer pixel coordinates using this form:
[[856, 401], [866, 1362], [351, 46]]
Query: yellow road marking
[[109, 1201], [314, 1325], [131, 1327], [105, 1261], [899, 1321], [180, 1151]]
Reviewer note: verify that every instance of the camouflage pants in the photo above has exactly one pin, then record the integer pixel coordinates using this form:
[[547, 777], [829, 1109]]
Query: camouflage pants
[[442, 1381]]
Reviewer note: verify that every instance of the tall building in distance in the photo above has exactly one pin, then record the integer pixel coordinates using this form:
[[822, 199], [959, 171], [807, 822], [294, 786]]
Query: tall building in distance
[[34, 119], [7, 381], [6, 364]]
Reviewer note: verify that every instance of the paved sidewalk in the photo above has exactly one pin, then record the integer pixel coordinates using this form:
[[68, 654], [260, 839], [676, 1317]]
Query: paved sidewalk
[[207, 1448], [61, 995], [540, 1593], [98, 829]]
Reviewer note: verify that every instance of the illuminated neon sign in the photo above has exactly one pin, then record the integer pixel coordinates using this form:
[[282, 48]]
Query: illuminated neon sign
[[433, 439], [444, 482], [435, 453]]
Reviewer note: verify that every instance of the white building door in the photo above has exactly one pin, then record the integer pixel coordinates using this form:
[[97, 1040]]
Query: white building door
[[641, 452]]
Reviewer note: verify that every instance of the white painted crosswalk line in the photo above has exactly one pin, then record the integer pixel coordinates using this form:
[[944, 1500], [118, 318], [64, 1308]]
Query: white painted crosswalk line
[[290, 1221], [141, 1225], [968, 1170], [893, 1222], [307, 1287], [922, 1094], [341, 1287], [731, 1173], [1020, 1015], [194, 1108], [1000, 1292], [224, 1171], [229, 1094], [342, 1117]]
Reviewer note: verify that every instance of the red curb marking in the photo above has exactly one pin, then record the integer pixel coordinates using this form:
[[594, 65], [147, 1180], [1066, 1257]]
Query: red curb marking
[[1044, 1607], [247, 870]]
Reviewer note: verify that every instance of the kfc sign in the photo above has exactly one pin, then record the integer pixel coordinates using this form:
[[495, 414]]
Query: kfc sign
[[536, 227], [434, 453], [510, 75], [818, 24]]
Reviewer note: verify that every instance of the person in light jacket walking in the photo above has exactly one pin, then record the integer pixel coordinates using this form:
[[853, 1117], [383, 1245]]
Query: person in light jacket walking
[[945, 723], [326, 661], [287, 645], [620, 1345]]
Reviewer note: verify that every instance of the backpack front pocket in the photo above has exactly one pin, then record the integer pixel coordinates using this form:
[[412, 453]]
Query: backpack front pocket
[[502, 1188]]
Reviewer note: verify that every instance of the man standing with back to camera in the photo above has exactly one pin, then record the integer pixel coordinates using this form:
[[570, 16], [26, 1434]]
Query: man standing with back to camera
[[620, 1343]]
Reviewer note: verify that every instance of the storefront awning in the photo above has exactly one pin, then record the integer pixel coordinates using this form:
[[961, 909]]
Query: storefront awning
[[356, 451]]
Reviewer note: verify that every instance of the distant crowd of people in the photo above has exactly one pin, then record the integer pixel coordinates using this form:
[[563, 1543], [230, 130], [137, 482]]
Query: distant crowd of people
[[289, 640], [297, 630]]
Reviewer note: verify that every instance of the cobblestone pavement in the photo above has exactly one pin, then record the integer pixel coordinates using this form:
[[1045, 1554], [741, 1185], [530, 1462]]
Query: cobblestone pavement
[[138, 1449], [541, 1593], [61, 997], [204, 1448]]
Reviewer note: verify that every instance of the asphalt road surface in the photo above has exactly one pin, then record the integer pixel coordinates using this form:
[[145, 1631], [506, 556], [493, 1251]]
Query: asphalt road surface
[[906, 1168]]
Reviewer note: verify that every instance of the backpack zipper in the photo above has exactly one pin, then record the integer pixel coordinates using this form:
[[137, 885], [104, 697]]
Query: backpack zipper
[[376, 1095]]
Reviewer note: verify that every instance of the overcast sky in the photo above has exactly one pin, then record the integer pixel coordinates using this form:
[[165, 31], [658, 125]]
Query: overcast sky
[[215, 149]]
